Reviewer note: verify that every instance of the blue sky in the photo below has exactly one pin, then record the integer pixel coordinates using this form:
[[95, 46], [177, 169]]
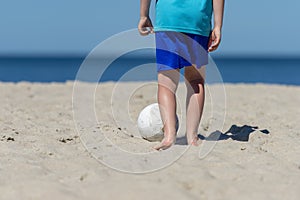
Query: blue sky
[[256, 27]]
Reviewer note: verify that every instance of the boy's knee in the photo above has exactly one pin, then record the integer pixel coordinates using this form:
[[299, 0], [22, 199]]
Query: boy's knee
[[195, 84], [195, 81], [171, 88]]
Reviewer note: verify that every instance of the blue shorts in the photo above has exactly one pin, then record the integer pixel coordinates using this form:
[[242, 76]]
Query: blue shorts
[[175, 50]]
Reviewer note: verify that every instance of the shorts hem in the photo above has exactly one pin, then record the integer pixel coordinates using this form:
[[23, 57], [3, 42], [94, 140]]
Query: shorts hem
[[183, 30]]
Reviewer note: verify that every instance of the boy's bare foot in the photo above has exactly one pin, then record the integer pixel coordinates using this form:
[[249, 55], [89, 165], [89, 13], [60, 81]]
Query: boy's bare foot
[[194, 140], [165, 143]]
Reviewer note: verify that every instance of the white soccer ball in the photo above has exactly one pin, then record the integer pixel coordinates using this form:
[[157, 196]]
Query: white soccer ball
[[150, 124]]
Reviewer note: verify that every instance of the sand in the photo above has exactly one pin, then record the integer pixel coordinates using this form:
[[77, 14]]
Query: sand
[[43, 156]]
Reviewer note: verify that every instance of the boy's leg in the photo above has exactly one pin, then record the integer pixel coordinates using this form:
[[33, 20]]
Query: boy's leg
[[194, 80], [167, 86]]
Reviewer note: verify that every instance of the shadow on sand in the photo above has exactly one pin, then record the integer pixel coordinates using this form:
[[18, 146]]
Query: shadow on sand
[[238, 133]]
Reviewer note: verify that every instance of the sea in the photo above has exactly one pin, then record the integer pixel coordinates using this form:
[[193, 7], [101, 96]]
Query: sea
[[234, 69]]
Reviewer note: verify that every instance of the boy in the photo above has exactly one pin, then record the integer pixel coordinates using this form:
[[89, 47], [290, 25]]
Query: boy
[[177, 20]]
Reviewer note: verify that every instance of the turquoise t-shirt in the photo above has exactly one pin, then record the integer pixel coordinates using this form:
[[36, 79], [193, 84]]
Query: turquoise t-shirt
[[188, 16]]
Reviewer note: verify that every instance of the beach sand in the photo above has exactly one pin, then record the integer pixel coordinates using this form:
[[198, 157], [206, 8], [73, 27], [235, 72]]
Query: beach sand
[[43, 157]]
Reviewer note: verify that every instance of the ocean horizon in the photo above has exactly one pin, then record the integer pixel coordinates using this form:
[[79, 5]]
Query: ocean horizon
[[269, 70]]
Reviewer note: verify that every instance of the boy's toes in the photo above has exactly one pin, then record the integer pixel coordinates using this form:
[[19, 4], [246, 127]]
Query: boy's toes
[[195, 142], [164, 145]]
